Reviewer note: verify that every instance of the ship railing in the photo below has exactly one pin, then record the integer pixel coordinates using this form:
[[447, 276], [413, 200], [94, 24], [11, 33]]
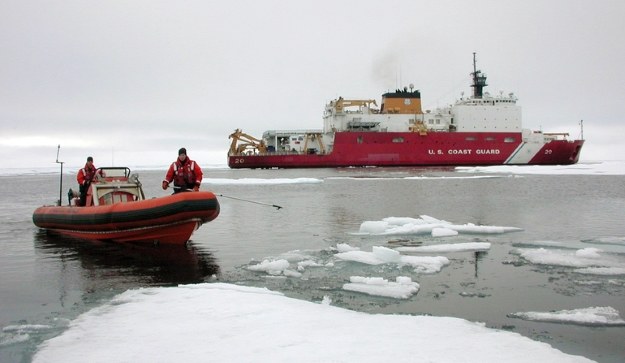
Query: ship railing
[[556, 135], [272, 133], [288, 152]]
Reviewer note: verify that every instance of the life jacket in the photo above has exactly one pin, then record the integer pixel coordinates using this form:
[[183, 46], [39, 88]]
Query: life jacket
[[184, 174], [86, 174]]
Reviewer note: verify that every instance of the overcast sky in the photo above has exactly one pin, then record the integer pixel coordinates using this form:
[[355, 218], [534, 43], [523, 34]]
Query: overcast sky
[[130, 82]]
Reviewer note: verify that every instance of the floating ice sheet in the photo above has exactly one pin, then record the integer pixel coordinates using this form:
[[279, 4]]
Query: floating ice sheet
[[597, 168], [601, 315], [275, 267], [585, 257], [13, 334], [426, 225], [422, 177], [380, 255], [447, 247], [402, 288], [293, 263], [609, 240], [606, 245], [258, 181], [228, 323], [605, 271]]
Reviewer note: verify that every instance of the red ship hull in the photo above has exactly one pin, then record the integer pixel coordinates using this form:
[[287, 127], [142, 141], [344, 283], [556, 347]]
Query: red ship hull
[[414, 149]]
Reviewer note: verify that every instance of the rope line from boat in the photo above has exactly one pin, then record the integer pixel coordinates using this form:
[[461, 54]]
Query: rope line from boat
[[235, 198], [250, 201]]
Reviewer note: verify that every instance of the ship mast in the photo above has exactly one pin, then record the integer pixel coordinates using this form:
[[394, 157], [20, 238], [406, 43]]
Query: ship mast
[[479, 80]]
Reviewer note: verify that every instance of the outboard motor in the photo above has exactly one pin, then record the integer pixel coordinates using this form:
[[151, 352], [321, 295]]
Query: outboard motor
[[72, 196]]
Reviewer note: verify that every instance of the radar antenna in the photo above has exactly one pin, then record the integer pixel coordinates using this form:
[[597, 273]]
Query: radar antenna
[[479, 80]]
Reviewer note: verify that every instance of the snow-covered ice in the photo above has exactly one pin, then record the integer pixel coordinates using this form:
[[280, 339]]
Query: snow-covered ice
[[220, 322]]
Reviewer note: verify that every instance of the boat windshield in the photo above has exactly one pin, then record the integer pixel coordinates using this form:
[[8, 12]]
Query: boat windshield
[[115, 171], [116, 186]]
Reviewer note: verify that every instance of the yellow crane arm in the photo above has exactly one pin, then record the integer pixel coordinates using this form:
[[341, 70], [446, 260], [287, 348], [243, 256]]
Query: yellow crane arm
[[242, 142]]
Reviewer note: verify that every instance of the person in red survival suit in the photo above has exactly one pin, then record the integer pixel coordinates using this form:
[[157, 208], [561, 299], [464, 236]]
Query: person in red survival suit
[[84, 177], [185, 173]]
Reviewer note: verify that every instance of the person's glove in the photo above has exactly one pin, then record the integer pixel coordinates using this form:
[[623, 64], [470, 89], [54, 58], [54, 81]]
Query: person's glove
[[196, 188], [165, 185]]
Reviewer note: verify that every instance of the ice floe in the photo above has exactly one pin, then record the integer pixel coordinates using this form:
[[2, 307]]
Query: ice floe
[[447, 247], [13, 334], [275, 267], [443, 232], [585, 257], [381, 255], [402, 288], [292, 264], [610, 240], [596, 168], [601, 315], [344, 247], [220, 322], [258, 181], [421, 177], [426, 225], [454, 177], [605, 271], [575, 245]]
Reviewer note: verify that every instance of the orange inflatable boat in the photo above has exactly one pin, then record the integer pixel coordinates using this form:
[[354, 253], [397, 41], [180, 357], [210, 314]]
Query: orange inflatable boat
[[116, 210]]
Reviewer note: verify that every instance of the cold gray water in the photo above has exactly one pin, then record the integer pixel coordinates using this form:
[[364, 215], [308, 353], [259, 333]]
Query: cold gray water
[[47, 280]]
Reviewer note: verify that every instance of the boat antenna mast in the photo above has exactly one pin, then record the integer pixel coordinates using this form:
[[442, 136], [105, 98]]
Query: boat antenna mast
[[581, 126], [58, 149], [479, 80]]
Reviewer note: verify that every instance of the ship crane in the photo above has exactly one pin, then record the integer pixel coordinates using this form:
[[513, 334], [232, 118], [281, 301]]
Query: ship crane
[[242, 142], [342, 103], [312, 137]]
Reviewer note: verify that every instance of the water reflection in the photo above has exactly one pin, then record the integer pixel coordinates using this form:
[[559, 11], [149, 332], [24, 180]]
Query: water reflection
[[477, 256], [158, 265]]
